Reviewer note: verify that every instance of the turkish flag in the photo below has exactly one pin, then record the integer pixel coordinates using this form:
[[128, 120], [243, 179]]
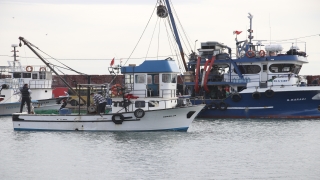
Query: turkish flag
[[237, 32], [112, 62]]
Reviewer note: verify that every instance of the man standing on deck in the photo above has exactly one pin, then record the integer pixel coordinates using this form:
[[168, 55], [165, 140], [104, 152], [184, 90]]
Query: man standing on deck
[[100, 101], [25, 97]]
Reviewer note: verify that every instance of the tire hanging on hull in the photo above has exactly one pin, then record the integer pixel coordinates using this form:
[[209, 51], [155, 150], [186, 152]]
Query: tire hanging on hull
[[269, 93]]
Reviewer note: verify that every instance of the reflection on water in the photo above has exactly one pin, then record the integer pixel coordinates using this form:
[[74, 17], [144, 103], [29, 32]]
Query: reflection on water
[[211, 149]]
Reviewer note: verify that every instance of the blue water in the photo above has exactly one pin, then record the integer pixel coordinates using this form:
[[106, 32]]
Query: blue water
[[211, 149]]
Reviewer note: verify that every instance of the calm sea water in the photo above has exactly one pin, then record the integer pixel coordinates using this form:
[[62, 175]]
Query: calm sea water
[[211, 149]]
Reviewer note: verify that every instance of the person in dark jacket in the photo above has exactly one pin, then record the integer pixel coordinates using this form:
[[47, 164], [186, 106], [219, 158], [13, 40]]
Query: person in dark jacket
[[25, 97]]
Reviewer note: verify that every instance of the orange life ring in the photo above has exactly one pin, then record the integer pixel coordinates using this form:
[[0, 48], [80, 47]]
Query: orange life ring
[[29, 68], [262, 53], [250, 54], [116, 90], [42, 69]]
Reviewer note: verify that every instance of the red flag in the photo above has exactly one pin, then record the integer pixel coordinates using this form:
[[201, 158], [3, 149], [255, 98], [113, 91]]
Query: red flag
[[237, 32], [112, 62]]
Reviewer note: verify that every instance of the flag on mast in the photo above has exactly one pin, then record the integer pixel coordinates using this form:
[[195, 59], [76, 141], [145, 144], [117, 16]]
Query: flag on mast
[[237, 32], [112, 62]]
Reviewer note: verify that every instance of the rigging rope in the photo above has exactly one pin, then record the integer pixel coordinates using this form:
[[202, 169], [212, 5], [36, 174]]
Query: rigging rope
[[56, 60], [141, 34], [152, 38]]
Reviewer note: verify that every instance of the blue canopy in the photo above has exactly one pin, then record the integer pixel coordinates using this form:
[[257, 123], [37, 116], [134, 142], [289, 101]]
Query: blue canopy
[[153, 66]]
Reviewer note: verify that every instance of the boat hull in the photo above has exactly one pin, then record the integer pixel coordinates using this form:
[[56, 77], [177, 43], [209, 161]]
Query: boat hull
[[175, 119], [40, 106], [296, 104]]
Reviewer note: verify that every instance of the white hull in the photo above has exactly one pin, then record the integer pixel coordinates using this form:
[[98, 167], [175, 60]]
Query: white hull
[[156, 120], [7, 109]]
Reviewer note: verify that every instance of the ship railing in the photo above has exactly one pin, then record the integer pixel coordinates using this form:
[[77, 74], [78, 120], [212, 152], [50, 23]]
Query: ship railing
[[40, 84], [164, 93], [247, 78], [12, 83], [149, 105], [22, 68]]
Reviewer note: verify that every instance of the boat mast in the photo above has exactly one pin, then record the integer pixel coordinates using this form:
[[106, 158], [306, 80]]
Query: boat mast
[[176, 34], [250, 30], [15, 56], [48, 65]]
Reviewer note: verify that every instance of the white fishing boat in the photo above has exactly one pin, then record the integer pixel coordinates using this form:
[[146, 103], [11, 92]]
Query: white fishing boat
[[14, 76], [134, 107]]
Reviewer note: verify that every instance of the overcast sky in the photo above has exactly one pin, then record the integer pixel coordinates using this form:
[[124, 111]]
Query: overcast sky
[[103, 29]]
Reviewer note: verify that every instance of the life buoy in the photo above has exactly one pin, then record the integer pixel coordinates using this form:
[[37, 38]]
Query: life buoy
[[256, 95], [116, 120], [29, 68], [116, 90], [223, 106], [42, 69], [250, 54], [236, 97], [269, 93], [262, 53], [139, 113]]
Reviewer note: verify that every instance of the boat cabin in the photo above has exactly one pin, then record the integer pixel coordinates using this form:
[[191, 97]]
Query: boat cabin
[[151, 85], [14, 76]]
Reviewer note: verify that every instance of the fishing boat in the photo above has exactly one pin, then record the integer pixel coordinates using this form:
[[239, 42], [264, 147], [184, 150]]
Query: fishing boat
[[254, 79], [39, 79], [261, 80], [134, 107]]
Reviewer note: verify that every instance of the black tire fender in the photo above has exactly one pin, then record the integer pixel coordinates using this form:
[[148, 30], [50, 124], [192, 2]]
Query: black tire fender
[[213, 106], [236, 97], [223, 106], [269, 93], [117, 121], [256, 95]]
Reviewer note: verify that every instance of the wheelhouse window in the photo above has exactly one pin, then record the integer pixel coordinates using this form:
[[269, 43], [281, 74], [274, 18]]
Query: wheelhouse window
[[16, 75], [173, 78], [128, 79], [284, 68], [296, 69], [34, 76], [166, 78], [248, 69], [169, 78], [26, 75], [140, 78], [149, 79], [42, 75], [156, 79]]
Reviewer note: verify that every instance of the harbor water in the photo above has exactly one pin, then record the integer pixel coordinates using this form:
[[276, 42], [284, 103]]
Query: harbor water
[[211, 149]]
